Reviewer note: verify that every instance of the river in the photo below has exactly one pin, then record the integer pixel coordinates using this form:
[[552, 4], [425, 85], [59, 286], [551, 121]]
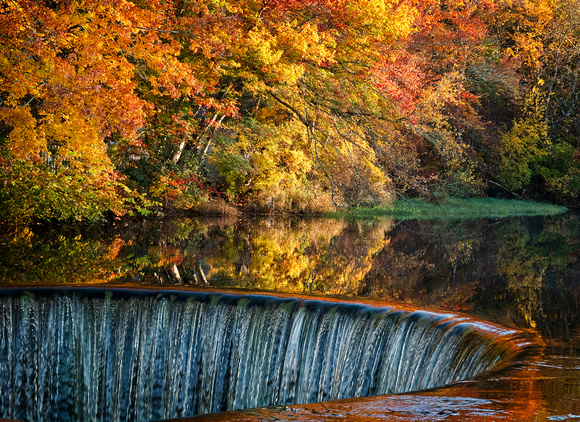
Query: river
[[520, 273]]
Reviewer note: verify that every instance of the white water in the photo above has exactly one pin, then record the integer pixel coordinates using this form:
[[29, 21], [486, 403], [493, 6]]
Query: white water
[[74, 356]]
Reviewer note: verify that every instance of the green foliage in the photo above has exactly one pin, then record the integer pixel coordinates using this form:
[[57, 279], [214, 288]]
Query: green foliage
[[233, 165], [38, 192], [522, 150], [152, 172], [560, 168], [535, 159]]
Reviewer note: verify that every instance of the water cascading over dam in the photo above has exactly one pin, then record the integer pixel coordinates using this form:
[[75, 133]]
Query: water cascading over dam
[[87, 354]]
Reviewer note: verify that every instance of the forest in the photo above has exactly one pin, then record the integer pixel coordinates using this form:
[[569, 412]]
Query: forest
[[114, 107]]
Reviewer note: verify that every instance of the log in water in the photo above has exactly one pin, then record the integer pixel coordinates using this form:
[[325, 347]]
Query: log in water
[[117, 356]]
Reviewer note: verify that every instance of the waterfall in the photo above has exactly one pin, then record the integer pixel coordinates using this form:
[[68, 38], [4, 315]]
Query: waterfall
[[85, 354]]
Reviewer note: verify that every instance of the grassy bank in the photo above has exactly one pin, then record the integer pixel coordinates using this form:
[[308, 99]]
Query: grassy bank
[[452, 208]]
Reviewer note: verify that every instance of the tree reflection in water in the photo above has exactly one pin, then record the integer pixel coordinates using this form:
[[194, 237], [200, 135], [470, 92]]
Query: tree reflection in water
[[521, 272], [517, 272], [514, 271]]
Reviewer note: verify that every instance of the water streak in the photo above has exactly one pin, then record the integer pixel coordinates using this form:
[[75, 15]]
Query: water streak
[[103, 356]]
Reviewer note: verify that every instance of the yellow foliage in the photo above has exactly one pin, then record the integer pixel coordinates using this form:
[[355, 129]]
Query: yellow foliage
[[525, 143], [304, 257], [524, 23]]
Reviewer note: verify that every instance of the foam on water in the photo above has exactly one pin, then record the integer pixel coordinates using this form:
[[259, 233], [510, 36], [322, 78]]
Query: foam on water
[[102, 356]]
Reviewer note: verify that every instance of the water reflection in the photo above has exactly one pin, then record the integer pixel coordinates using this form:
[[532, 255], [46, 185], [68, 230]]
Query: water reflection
[[521, 272], [517, 272]]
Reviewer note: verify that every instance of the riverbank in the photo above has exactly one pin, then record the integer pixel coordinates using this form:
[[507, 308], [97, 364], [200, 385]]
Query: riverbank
[[454, 208]]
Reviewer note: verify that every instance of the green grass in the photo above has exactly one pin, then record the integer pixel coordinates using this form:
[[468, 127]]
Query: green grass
[[454, 209]]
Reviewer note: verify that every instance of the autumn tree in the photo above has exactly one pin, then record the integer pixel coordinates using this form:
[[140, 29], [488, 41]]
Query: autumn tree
[[300, 63], [69, 78], [544, 40], [560, 169], [281, 104], [373, 113], [462, 71]]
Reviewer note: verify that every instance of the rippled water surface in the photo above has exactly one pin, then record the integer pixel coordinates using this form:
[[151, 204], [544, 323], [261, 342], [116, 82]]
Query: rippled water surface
[[520, 273]]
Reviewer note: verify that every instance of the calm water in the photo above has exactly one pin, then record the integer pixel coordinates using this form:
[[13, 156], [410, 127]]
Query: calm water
[[516, 272]]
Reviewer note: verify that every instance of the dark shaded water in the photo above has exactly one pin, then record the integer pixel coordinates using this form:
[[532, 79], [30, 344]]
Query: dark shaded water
[[520, 273]]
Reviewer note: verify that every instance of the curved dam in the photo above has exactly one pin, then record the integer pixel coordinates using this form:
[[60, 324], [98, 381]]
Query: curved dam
[[119, 355]]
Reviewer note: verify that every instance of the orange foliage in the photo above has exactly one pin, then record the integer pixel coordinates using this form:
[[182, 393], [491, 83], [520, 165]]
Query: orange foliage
[[375, 82]]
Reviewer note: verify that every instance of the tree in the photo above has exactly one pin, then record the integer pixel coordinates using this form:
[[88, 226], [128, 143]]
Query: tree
[[68, 84], [545, 42], [277, 102], [524, 146]]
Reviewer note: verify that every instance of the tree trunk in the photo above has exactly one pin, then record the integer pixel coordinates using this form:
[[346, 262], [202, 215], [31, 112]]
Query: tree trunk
[[177, 153]]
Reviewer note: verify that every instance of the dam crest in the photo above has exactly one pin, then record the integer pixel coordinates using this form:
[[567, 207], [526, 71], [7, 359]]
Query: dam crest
[[119, 355]]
